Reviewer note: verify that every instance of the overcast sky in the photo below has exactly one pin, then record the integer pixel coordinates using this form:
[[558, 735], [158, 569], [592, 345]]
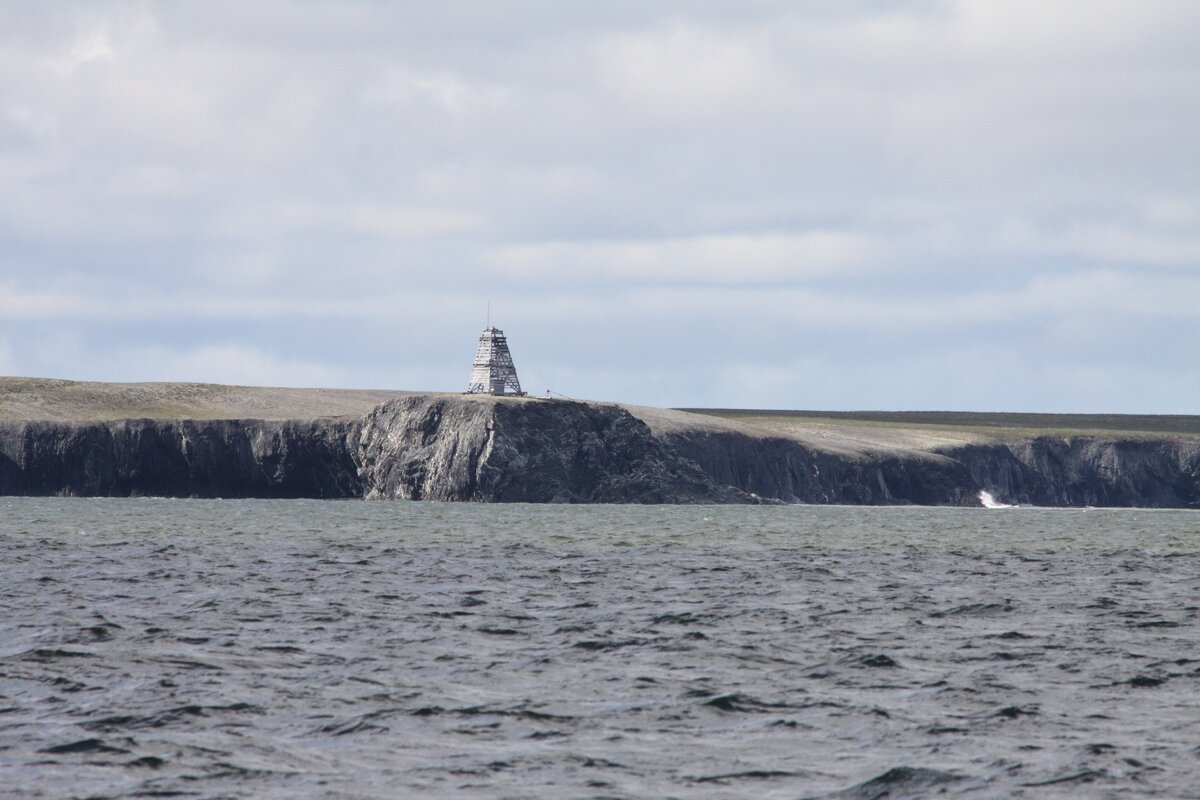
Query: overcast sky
[[833, 205]]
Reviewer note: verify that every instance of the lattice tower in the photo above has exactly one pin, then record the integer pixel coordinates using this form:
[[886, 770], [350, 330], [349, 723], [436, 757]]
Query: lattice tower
[[493, 371]]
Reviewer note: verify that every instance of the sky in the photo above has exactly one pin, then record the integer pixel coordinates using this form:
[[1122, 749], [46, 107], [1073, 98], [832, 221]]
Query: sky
[[835, 204]]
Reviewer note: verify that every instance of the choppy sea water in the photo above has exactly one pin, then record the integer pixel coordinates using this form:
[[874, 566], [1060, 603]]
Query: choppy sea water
[[156, 648]]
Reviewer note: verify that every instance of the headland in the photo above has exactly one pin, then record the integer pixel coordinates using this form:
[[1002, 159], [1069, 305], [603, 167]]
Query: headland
[[205, 440]]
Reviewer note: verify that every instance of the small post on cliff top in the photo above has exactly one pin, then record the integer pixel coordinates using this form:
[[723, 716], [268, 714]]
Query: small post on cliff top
[[493, 371]]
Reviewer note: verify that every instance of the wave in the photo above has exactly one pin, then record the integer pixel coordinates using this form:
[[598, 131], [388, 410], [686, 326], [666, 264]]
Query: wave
[[988, 500]]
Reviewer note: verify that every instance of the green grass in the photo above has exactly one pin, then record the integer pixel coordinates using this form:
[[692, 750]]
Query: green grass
[[991, 423]]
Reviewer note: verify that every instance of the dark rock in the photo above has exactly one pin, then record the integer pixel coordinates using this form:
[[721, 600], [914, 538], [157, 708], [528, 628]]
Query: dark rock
[[1044, 471], [524, 451], [448, 447], [1088, 471], [178, 458]]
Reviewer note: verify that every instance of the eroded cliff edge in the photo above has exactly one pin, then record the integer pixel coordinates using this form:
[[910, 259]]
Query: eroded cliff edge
[[427, 447], [522, 450], [1043, 470], [179, 458], [451, 447]]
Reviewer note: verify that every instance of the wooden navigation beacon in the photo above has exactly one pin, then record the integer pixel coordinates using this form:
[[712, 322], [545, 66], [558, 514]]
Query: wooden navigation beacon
[[493, 371]]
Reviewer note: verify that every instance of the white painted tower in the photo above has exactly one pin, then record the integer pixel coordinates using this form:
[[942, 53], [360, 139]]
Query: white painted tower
[[493, 371]]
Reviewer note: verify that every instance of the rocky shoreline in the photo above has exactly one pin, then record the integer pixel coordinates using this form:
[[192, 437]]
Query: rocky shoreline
[[485, 449]]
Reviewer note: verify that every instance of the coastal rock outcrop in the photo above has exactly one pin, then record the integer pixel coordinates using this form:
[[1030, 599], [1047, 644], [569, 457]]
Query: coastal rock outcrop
[[1088, 471], [480, 448], [1155, 472], [783, 469], [527, 451], [178, 458]]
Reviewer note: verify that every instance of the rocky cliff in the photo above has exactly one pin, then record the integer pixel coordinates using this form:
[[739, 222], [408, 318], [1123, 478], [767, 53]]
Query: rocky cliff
[[1088, 471], [528, 451], [414, 448], [450, 447], [1046, 471], [780, 468], [179, 458]]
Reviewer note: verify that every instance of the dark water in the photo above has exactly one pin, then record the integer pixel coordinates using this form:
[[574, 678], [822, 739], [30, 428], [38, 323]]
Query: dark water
[[294, 648]]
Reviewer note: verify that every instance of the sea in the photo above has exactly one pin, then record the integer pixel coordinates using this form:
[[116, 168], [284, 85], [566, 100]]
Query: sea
[[358, 649]]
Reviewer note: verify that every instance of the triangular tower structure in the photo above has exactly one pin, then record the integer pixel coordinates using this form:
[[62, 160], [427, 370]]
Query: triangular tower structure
[[493, 371]]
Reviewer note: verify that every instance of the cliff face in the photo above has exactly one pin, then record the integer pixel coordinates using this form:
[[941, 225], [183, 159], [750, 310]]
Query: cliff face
[[1049, 471], [1044, 471], [178, 458], [506, 450], [523, 451], [789, 471]]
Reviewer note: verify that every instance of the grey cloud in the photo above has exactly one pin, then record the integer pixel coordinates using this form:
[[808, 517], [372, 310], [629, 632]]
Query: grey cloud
[[777, 204]]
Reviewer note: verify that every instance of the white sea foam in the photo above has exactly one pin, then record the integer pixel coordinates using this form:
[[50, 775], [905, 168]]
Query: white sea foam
[[989, 501]]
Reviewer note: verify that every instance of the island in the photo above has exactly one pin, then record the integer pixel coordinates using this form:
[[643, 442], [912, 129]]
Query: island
[[75, 438]]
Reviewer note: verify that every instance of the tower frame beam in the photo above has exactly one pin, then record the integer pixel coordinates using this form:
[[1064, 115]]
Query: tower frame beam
[[493, 371]]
